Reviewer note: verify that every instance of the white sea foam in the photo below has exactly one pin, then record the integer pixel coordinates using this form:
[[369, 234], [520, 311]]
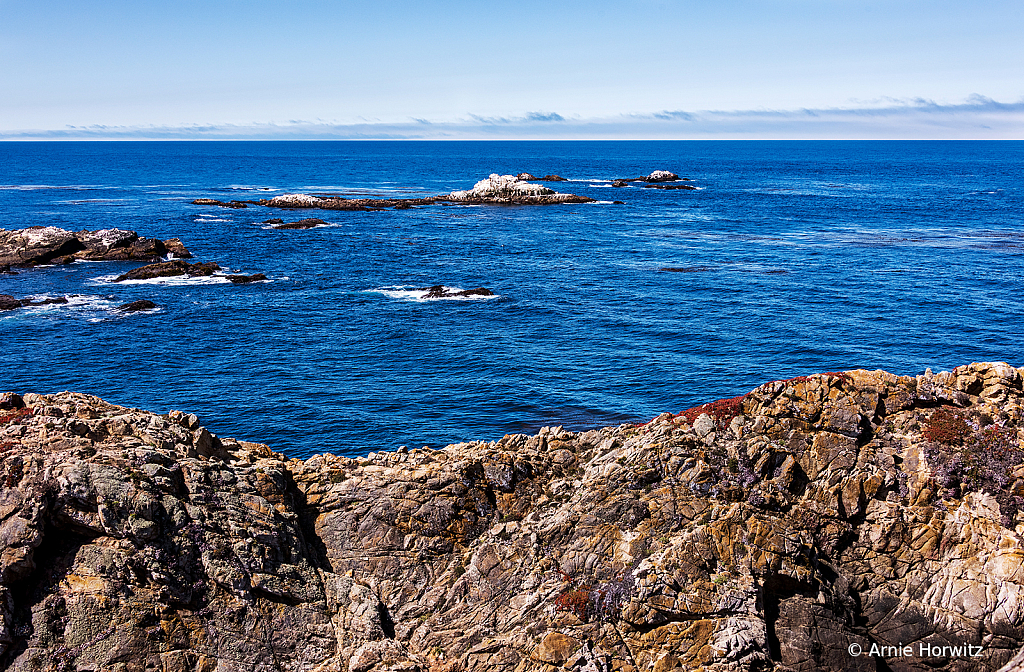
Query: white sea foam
[[89, 307], [171, 281], [207, 221], [413, 293]]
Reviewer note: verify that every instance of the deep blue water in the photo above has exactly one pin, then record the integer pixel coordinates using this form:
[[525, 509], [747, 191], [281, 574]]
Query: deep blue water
[[819, 256]]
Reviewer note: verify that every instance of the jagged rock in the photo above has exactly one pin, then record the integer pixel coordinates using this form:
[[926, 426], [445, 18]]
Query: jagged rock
[[245, 279], [8, 302], [294, 201], [301, 224], [36, 245], [788, 529], [169, 269], [43, 245], [135, 306], [500, 186]]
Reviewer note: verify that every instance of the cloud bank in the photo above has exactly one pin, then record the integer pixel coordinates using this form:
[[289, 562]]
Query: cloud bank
[[976, 118]]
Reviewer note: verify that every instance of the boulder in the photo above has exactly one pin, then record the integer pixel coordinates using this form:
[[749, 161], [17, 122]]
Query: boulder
[[136, 306], [8, 302]]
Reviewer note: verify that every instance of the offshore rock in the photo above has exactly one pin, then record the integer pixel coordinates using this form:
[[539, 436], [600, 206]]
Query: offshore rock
[[221, 204], [167, 269], [8, 302], [442, 292], [246, 279], [509, 189], [501, 186], [655, 177], [301, 224], [781, 530], [136, 306], [45, 245]]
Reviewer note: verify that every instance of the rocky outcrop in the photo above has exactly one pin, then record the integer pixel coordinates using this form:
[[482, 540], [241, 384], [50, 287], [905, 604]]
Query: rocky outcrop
[[443, 292], [656, 177], [8, 302], [301, 224], [220, 204], [546, 178], [37, 245], [167, 269], [496, 189], [136, 306], [246, 279], [844, 521]]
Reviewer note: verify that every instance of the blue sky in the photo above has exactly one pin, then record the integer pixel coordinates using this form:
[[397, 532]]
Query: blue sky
[[623, 68]]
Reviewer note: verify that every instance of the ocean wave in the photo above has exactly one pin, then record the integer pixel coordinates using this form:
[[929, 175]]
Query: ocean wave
[[413, 293], [210, 220], [90, 307], [61, 187], [171, 281]]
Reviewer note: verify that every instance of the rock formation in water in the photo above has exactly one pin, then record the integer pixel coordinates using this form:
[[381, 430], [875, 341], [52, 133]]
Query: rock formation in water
[[443, 292], [787, 529], [8, 302], [496, 189], [167, 269], [52, 245]]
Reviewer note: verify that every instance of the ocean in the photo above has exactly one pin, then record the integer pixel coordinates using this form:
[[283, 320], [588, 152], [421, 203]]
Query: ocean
[[790, 258]]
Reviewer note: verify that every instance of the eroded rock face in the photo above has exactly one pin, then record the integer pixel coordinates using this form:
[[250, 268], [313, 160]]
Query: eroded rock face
[[775, 531], [47, 245]]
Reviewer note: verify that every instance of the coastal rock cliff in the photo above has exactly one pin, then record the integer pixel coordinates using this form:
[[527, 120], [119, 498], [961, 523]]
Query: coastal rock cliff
[[842, 521]]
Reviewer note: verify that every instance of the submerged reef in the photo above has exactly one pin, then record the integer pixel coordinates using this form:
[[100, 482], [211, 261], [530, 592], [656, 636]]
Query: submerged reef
[[855, 520]]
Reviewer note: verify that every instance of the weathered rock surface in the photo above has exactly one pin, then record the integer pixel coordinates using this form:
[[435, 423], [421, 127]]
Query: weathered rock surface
[[780, 530], [49, 244], [166, 269], [501, 186]]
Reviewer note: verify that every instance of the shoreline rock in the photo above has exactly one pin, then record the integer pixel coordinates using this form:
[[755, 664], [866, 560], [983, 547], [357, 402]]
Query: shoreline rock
[[778, 530]]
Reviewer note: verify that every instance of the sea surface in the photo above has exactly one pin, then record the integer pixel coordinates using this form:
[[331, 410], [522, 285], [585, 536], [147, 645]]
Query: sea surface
[[798, 257]]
